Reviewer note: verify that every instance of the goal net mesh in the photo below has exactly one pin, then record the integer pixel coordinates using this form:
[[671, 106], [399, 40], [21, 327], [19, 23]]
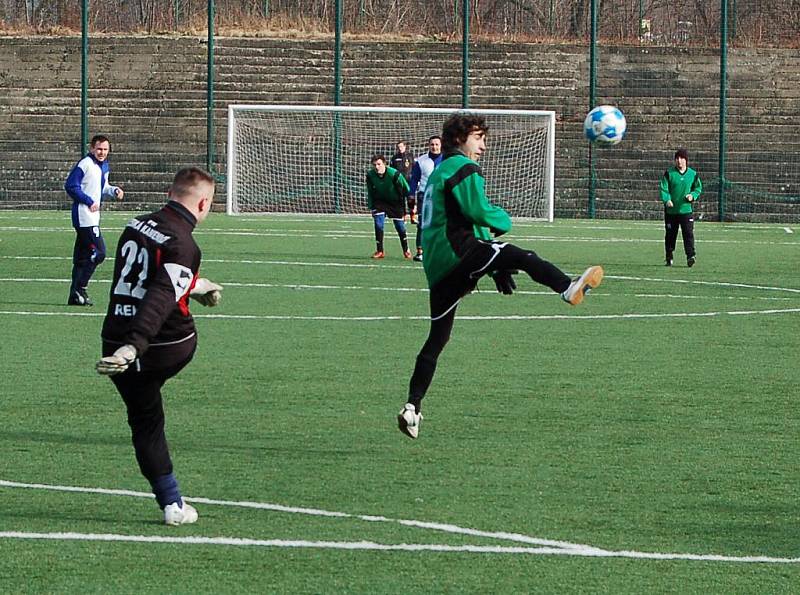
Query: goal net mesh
[[290, 159]]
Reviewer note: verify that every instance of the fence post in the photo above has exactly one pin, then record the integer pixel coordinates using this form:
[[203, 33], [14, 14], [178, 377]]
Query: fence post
[[465, 54], [210, 90], [84, 76], [592, 100], [723, 104], [337, 97]]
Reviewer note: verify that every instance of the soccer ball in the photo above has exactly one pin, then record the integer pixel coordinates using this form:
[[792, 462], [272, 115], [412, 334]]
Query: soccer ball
[[605, 125]]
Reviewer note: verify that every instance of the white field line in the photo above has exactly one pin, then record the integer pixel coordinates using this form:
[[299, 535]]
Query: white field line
[[342, 234], [418, 270], [548, 547], [711, 283], [404, 547], [510, 317], [358, 221], [442, 527], [305, 286]]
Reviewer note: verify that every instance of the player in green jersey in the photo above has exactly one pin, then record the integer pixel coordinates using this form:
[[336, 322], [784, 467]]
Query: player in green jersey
[[457, 227], [386, 197], [680, 188]]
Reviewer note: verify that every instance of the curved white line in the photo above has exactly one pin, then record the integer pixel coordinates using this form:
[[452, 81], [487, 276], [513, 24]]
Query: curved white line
[[405, 547]]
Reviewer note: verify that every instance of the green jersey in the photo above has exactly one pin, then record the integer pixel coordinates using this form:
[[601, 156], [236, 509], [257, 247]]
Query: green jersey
[[387, 192], [676, 185], [456, 214]]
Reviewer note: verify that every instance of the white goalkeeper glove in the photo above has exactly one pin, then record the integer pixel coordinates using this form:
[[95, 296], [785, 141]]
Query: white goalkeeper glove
[[206, 292], [117, 362]]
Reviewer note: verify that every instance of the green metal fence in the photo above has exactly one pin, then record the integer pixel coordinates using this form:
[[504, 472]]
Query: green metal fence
[[759, 180]]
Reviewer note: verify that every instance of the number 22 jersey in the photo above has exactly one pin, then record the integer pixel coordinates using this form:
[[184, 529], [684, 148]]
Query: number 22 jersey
[[155, 267]]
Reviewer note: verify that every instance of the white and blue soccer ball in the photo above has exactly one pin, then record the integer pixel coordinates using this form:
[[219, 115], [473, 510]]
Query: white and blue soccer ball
[[605, 125]]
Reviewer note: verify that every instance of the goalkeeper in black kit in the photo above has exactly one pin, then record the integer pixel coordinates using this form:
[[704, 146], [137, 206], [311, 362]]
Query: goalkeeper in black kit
[[149, 334], [458, 223]]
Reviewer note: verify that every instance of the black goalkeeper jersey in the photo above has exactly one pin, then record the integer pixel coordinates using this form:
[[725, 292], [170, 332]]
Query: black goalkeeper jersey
[[156, 265]]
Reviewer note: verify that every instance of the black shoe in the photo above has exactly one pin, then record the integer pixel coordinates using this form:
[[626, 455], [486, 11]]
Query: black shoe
[[690, 261], [668, 262], [76, 299], [87, 301]]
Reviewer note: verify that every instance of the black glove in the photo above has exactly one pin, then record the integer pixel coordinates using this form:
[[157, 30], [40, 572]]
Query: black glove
[[504, 281]]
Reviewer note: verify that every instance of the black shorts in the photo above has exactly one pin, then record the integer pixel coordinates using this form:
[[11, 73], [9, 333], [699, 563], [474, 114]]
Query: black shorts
[[160, 357], [477, 262], [391, 210]]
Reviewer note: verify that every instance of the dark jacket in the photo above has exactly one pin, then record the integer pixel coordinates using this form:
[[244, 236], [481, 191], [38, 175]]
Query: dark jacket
[[157, 263]]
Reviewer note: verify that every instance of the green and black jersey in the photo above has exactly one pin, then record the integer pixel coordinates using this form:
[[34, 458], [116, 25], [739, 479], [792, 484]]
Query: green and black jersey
[[676, 185], [387, 193], [456, 214]]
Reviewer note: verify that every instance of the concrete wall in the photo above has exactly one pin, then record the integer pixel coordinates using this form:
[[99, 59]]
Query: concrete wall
[[149, 95]]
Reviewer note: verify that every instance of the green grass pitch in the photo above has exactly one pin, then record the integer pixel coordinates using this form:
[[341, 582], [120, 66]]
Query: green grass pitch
[[645, 441]]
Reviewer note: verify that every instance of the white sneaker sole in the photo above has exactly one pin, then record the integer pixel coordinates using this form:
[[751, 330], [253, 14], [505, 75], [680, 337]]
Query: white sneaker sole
[[590, 279], [409, 428]]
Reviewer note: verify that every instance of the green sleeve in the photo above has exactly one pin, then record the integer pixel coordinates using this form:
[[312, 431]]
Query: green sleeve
[[471, 196], [370, 193], [664, 186], [697, 187]]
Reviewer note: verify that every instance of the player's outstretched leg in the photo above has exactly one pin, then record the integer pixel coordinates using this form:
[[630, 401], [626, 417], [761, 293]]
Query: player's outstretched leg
[[510, 257]]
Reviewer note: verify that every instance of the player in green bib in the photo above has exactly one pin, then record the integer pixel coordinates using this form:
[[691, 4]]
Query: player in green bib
[[680, 188], [386, 197], [458, 223]]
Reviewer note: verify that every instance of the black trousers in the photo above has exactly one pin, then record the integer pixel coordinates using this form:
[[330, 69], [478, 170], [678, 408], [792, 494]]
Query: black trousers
[[446, 293], [140, 389], [87, 253], [671, 225]]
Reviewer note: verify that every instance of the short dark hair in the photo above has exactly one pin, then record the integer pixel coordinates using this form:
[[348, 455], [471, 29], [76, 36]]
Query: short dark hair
[[457, 128], [187, 179], [434, 136], [681, 152], [376, 157], [99, 138]]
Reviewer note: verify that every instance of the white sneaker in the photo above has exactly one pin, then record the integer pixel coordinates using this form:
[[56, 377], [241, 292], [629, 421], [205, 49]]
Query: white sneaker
[[590, 279], [408, 421], [175, 515]]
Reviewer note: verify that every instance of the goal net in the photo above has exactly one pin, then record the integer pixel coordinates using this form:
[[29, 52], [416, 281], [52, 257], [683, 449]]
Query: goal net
[[307, 159]]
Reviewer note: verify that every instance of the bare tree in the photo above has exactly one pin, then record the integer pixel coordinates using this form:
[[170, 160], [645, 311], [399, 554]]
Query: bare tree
[[767, 22]]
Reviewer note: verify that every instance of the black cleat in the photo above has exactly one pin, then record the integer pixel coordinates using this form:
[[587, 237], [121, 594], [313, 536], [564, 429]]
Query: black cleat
[[87, 301], [76, 299], [690, 261]]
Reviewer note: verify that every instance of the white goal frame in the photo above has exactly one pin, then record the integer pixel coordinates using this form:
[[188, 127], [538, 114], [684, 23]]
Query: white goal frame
[[545, 170]]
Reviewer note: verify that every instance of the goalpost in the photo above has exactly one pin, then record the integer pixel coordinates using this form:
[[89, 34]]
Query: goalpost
[[310, 159]]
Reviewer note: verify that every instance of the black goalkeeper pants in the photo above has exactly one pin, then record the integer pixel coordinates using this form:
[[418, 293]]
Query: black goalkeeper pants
[[140, 389], [486, 258], [672, 223]]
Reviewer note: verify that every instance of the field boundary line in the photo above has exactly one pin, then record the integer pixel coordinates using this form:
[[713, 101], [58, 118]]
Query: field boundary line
[[442, 527], [507, 317], [547, 547]]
